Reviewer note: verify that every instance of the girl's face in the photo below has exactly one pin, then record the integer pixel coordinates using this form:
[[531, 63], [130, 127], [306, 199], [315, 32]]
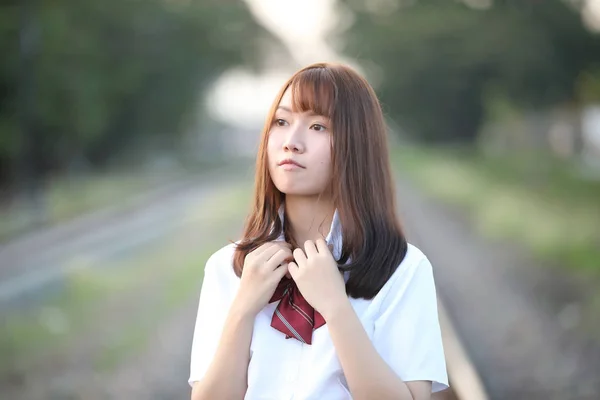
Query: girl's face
[[299, 150]]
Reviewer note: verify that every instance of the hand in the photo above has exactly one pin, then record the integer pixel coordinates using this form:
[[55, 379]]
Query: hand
[[316, 273], [263, 269]]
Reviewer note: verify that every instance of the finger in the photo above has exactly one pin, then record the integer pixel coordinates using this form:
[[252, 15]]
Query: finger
[[282, 271], [284, 246], [322, 246], [293, 270], [282, 256], [261, 249], [265, 246], [270, 252], [310, 249], [283, 243], [299, 256]]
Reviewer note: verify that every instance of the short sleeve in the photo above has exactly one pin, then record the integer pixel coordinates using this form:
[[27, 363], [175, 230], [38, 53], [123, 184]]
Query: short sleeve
[[215, 300], [407, 332]]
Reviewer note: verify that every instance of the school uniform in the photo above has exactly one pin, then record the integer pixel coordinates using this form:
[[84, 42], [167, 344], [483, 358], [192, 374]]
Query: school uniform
[[401, 321]]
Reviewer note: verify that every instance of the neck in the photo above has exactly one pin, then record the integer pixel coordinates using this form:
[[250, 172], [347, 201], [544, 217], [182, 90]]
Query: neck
[[308, 218]]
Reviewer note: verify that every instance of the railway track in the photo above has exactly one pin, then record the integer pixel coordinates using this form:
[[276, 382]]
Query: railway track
[[465, 382]]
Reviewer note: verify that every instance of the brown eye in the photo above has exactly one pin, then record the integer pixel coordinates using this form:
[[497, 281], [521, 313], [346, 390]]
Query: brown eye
[[318, 127], [280, 122]]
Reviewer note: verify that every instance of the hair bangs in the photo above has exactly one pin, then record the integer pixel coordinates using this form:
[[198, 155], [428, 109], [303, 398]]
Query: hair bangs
[[313, 90]]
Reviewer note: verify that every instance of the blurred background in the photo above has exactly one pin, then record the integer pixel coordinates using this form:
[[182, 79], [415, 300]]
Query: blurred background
[[127, 136]]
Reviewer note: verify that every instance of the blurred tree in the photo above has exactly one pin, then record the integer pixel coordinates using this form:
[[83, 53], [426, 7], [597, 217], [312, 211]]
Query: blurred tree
[[438, 58], [104, 73]]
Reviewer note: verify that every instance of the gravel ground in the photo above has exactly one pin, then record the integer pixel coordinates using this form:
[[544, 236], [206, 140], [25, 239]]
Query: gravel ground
[[520, 321]]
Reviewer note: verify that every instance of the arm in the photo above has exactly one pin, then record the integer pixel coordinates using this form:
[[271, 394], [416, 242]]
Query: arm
[[406, 353], [225, 321], [226, 376], [405, 358], [368, 375]]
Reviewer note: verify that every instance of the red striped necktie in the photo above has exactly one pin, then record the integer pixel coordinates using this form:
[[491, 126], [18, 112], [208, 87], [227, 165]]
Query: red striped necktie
[[294, 316]]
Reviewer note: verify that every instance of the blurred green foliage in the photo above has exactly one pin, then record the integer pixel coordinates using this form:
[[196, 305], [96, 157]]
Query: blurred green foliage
[[94, 76], [114, 311], [441, 62], [550, 212]]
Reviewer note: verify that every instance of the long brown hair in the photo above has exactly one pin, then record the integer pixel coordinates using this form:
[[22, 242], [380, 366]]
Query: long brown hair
[[373, 244]]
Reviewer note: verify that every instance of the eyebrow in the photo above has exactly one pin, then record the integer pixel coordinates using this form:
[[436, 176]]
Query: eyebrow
[[310, 113]]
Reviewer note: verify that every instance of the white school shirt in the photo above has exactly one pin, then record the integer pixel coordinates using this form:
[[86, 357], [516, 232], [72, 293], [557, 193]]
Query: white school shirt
[[401, 321]]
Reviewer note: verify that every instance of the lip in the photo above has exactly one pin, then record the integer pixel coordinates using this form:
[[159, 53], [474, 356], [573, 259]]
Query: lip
[[289, 162]]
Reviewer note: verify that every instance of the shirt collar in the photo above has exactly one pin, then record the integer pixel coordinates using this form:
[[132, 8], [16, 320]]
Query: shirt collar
[[334, 237]]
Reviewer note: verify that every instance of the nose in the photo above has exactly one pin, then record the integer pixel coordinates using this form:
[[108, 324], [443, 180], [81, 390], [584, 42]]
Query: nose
[[293, 142]]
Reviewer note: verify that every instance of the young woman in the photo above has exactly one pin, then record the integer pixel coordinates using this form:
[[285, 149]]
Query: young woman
[[322, 298]]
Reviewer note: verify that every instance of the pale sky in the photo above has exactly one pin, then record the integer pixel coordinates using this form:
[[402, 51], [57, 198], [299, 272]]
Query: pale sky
[[591, 14], [242, 99], [300, 24]]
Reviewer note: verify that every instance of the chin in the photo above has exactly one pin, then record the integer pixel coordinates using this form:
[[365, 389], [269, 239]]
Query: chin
[[295, 189]]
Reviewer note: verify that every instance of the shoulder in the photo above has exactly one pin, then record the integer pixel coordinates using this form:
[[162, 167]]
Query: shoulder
[[414, 256], [412, 274], [219, 265], [223, 256], [415, 261]]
